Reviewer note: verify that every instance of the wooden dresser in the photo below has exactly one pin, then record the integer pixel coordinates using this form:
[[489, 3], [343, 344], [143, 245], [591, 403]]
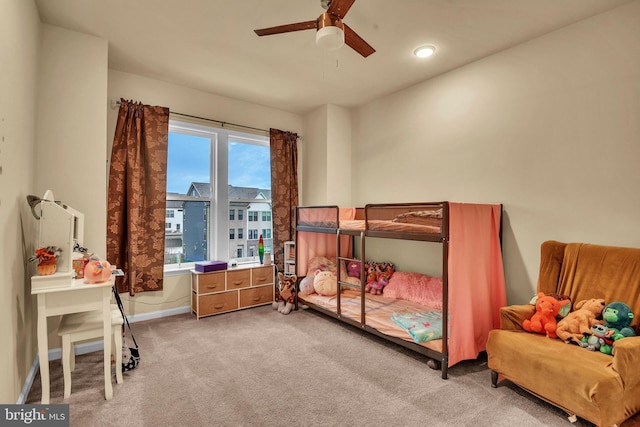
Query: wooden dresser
[[233, 289]]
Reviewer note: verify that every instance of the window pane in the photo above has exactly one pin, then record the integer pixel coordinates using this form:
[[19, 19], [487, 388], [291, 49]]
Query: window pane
[[188, 173], [249, 178]]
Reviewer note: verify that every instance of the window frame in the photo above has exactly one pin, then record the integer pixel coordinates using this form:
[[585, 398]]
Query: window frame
[[218, 221]]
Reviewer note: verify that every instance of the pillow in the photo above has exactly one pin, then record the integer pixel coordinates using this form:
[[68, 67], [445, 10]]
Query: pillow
[[418, 288], [431, 218], [320, 263], [306, 287], [325, 283]]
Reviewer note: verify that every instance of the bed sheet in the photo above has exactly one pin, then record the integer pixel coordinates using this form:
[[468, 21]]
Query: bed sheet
[[378, 312]]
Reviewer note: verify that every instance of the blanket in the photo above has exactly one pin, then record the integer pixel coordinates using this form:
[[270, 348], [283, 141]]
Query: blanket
[[423, 326]]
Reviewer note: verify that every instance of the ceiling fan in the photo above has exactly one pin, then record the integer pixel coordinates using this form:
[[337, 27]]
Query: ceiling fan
[[331, 32]]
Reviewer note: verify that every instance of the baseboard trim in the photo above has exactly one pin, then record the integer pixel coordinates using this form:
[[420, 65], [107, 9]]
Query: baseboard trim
[[89, 347]]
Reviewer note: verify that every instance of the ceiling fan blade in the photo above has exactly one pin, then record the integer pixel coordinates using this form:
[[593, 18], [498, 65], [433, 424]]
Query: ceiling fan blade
[[299, 26], [340, 8], [356, 42]]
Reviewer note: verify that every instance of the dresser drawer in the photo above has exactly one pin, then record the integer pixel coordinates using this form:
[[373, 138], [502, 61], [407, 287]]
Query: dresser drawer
[[262, 276], [217, 303], [211, 282], [238, 279], [256, 296]]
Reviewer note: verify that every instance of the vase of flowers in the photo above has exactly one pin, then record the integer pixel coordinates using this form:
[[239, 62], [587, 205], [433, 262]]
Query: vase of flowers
[[46, 259]]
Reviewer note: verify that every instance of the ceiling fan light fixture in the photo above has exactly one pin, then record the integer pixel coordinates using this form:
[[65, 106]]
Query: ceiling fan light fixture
[[424, 51], [330, 34]]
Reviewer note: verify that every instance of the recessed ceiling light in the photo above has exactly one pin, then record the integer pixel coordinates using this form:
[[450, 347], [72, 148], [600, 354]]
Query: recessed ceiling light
[[424, 51]]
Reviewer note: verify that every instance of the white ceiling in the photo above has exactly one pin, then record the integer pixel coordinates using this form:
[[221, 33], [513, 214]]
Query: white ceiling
[[210, 44]]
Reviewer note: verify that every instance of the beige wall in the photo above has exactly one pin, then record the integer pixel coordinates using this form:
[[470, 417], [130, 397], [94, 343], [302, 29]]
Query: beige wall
[[176, 293], [19, 32], [71, 126], [326, 155], [548, 128]]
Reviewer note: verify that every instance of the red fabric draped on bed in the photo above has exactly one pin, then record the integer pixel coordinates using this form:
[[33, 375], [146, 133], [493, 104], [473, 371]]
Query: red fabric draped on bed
[[476, 278]]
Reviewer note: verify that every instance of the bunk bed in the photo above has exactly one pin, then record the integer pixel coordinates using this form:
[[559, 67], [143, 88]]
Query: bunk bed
[[472, 287]]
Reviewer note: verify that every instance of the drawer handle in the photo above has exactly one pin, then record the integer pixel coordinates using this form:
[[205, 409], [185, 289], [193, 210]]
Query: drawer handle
[[219, 306], [257, 299], [261, 279], [212, 286], [238, 282]]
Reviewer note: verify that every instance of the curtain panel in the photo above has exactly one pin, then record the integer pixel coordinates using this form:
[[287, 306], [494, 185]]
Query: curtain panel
[[136, 204], [284, 190]]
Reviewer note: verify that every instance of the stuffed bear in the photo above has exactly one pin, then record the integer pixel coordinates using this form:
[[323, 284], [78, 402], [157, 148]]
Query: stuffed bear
[[571, 329], [325, 282], [285, 294], [617, 318], [544, 320]]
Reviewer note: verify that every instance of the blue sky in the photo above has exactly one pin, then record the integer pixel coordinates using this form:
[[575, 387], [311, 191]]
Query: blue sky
[[189, 159]]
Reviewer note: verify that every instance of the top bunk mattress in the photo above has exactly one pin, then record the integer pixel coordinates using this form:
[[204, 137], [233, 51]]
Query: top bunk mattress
[[412, 218]]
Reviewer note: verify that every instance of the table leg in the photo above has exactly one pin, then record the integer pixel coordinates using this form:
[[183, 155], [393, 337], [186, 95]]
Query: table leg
[[106, 313], [43, 349]]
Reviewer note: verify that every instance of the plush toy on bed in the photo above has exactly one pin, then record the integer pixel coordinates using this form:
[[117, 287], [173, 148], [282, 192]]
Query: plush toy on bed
[[285, 294], [378, 275], [353, 269], [617, 318], [325, 282], [544, 320], [571, 329]]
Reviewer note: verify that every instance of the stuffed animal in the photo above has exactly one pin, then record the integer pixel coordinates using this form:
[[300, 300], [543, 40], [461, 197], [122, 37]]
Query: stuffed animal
[[325, 282], [596, 338], [378, 275], [286, 293], [353, 269], [544, 320], [617, 318], [97, 271], [571, 329]]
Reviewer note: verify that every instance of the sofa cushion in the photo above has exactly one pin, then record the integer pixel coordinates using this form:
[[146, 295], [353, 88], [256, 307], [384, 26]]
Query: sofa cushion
[[573, 378]]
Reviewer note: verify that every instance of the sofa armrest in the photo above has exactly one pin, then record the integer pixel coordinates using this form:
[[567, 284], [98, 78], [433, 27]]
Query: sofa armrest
[[512, 316], [626, 358]]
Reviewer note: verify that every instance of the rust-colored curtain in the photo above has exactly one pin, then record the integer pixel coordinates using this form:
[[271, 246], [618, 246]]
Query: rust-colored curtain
[[137, 196], [284, 190]]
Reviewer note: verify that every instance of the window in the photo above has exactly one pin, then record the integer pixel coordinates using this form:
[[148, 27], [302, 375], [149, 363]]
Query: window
[[167, 226], [207, 182], [253, 235], [266, 216], [266, 233]]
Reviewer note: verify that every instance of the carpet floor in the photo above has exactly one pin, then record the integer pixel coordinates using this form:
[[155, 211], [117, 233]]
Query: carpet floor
[[257, 367]]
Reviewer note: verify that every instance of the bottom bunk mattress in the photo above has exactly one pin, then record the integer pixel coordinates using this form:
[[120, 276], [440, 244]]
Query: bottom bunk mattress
[[380, 313]]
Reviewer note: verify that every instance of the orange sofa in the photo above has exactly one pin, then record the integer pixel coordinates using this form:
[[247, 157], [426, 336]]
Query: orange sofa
[[599, 388]]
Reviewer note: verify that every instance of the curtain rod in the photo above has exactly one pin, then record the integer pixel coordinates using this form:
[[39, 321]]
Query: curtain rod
[[115, 103]]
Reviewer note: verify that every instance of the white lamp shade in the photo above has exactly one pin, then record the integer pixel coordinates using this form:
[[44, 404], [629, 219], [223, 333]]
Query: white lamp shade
[[330, 38]]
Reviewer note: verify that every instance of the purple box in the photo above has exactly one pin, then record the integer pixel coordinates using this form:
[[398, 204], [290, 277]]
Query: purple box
[[207, 266]]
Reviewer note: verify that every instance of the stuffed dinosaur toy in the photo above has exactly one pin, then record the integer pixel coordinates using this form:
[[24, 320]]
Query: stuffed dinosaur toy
[[617, 318], [544, 320], [285, 294]]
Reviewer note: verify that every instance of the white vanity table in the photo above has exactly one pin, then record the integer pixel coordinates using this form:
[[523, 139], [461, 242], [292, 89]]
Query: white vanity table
[[59, 294]]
